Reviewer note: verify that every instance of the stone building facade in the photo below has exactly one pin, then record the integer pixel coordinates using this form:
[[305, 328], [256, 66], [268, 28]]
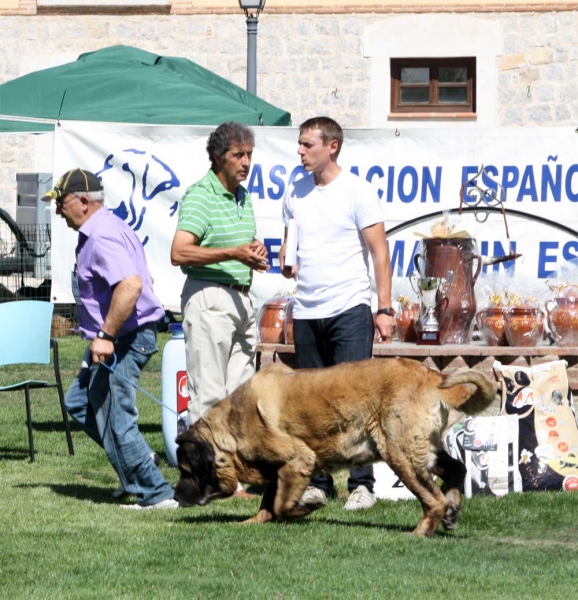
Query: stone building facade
[[331, 58]]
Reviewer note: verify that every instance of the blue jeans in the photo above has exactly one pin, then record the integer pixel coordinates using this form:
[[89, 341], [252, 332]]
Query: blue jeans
[[326, 342], [104, 405]]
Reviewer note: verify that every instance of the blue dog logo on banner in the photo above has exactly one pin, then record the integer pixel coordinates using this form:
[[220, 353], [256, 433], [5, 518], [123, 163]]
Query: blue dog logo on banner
[[147, 176]]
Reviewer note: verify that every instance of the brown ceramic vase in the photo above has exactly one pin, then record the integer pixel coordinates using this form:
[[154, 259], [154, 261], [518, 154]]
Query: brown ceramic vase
[[562, 314], [491, 326], [271, 320], [457, 310], [524, 326]]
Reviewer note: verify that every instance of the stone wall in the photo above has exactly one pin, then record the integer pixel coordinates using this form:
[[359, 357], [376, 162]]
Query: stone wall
[[307, 64], [538, 73]]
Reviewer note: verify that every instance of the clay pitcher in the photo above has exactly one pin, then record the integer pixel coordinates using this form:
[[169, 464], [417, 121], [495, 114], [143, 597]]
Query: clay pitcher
[[441, 255], [491, 324], [271, 320], [562, 311], [524, 325]]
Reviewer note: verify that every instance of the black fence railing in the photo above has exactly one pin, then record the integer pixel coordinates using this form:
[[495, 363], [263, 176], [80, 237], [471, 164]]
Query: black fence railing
[[25, 269]]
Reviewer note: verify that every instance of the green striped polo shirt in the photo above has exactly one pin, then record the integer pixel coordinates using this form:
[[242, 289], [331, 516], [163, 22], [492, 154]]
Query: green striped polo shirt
[[211, 213]]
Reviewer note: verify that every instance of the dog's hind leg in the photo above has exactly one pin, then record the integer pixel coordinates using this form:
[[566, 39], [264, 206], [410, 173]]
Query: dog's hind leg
[[452, 472], [265, 513]]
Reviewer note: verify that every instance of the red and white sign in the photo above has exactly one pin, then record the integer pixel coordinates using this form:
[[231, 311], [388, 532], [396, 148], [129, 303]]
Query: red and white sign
[[182, 392]]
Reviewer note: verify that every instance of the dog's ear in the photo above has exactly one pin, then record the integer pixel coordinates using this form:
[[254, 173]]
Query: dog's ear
[[201, 459], [184, 464], [196, 457], [184, 449]]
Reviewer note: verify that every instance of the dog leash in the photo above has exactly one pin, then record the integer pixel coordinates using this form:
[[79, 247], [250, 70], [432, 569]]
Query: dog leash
[[111, 368]]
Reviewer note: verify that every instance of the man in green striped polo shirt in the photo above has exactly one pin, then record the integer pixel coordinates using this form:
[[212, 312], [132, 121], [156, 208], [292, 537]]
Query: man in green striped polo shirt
[[215, 247]]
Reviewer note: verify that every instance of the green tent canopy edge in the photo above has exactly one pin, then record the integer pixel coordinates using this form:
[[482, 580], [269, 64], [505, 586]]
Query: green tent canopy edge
[[128, 85]]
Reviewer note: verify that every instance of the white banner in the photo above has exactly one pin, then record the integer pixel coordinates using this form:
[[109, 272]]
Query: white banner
[[146, 170]]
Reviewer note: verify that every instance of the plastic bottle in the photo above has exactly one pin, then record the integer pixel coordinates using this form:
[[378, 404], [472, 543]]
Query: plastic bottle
[[175, 395]]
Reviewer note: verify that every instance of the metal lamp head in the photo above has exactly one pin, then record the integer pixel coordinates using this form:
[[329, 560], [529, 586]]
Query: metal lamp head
[[252, 7]]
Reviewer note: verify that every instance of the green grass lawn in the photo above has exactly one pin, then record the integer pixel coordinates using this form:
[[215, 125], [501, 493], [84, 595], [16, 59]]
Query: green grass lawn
[[63, 535]]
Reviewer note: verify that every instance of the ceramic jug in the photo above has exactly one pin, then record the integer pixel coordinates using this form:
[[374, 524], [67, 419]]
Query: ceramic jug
[[457, 310], [491, 324], [271, 320], [524, 326], [562, 311]]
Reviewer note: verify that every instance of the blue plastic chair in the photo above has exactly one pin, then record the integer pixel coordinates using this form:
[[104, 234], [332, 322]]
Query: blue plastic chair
[[25, 339]]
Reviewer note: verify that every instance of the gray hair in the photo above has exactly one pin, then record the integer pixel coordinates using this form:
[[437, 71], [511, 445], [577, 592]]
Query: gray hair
[[92, 196], [227, 134]]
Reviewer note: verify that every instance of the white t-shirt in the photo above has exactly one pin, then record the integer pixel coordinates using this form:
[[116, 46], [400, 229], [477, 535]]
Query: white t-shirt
[[331, 253]]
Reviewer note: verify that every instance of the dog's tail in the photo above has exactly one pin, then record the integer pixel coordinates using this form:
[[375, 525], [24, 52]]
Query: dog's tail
[[458, 392]]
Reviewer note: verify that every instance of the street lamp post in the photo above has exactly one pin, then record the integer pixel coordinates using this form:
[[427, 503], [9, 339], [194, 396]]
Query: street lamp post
[[252, 8]]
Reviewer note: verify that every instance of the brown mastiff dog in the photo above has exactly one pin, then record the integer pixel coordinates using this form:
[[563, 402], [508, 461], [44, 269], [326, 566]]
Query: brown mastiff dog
[[284, 425]]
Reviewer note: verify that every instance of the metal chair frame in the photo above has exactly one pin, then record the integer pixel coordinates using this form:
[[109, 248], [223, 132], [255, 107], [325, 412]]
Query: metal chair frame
[[31, 318]]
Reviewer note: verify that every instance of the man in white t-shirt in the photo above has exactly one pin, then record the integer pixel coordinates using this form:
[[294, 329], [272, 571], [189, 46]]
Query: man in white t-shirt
[[339, 224]]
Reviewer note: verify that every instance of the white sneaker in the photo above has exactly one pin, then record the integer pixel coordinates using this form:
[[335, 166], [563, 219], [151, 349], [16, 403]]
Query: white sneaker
[[360, 498], [168, 503], [313, 496]]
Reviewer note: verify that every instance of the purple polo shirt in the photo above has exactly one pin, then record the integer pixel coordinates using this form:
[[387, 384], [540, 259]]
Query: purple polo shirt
[[108, 251]]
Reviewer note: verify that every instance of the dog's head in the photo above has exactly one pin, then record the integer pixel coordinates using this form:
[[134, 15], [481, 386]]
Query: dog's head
[[207, 473]]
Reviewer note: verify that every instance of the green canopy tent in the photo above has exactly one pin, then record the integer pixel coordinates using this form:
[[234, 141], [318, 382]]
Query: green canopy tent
[[127, 85]]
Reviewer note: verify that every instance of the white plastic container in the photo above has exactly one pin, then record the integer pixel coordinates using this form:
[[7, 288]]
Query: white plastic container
[[175, 394]]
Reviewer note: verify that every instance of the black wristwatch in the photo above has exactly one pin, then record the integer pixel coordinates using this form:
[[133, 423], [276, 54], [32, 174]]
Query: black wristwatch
[[105, 336], [386, 311]]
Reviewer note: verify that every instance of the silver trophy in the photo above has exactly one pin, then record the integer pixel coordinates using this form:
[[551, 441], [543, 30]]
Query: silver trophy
[[431, 292]]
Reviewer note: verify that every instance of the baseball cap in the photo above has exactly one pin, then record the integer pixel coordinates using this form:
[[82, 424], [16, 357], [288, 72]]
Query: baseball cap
[[75, 180]]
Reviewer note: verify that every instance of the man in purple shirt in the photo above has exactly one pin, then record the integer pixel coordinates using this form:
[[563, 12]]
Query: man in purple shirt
[[118, 311]]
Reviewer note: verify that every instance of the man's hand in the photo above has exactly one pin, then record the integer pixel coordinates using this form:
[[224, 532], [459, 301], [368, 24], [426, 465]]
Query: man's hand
[[287, 272], [385, 325], [101, 350], [186, 251], [253, 255]]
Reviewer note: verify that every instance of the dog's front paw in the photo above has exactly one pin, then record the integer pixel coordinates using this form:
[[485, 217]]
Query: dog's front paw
[[450, 520]]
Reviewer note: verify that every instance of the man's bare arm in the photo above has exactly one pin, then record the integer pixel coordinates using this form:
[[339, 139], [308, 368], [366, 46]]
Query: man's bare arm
[[185, 251]]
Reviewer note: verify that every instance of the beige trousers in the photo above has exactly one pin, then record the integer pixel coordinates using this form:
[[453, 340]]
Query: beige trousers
[[220, 339]]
